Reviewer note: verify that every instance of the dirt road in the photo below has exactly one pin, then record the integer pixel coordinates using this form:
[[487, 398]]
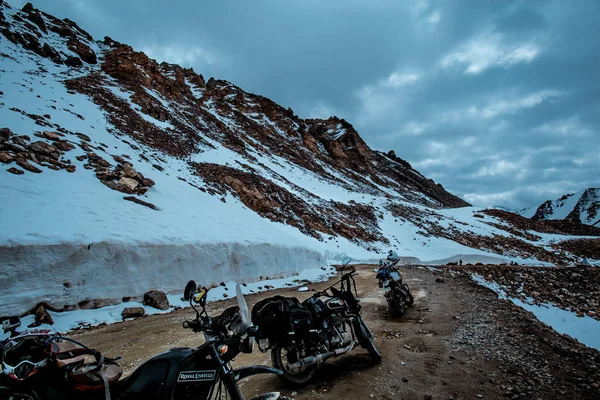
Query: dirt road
[[458, 341]]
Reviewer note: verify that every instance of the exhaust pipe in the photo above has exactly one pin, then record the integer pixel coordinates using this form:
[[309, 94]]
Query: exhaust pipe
[[312, 360]]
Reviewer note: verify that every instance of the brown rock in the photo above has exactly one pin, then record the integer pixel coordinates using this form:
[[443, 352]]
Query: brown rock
[[5, 157], [83, 137], [141, 202], [52, 135], [21, 140], [43, 148], [133, 312], [70, 168], [82, 50], [5, 134], [129, 171], [128, 183], [42, 316], [63, 145], [15, 171], [26, 165], [156, 299], [148, 182]]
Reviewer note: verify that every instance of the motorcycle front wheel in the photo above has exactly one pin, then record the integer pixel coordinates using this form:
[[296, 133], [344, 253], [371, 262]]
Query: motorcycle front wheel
[[367, 341], [7, 393], [397, 299], [282, 356], [409, 298]]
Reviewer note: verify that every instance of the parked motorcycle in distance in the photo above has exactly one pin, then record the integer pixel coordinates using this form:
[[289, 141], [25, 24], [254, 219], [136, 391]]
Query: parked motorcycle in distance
[[301, 334], [179, 374], [396, 292]]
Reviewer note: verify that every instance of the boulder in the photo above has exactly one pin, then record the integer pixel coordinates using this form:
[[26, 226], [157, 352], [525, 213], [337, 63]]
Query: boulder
[[51, 135], [148, 182], [73, 62], [156, 299], [42, 147], [15, 171], [26, 165], [63, 145], [133, 312], [21, 140], [5, 134], [129, 171], [128, 183], [5, 157], [42, 316]]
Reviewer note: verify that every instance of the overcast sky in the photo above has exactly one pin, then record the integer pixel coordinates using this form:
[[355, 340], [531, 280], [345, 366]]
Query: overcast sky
[[497, 100]]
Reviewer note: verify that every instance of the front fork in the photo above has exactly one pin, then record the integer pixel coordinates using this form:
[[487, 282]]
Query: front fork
[[230, 377]]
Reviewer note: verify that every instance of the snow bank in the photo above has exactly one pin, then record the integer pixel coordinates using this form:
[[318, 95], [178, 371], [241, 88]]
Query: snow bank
[[585, 329], [65, 274], [468, 258], [65, 321]]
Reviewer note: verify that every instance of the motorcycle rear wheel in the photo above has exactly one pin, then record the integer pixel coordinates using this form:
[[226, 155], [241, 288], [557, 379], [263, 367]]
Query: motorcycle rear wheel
[[282, 356]]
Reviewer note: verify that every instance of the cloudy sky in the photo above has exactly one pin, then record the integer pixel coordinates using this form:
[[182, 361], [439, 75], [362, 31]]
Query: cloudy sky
[[497, 100]]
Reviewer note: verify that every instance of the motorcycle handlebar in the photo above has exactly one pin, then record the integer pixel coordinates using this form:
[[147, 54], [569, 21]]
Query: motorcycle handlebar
[[195, 325]]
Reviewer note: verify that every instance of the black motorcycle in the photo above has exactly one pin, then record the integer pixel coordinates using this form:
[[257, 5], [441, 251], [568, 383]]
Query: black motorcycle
[[301, 334], [396, 292], [180, 373]]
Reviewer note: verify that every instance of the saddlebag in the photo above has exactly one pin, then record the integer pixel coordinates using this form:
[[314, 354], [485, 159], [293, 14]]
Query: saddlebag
[[81, 367], [277, 317]]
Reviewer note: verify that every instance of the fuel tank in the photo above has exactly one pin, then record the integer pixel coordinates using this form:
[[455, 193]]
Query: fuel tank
[[334, 304], [178, 374]]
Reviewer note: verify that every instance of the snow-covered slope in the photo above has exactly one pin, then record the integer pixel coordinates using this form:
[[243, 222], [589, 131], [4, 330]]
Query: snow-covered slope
[[583, 206], [122, 175]]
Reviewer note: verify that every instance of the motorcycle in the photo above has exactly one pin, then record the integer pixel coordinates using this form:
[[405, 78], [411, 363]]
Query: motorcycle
[[302, 334], [37, 367], [396, 292]]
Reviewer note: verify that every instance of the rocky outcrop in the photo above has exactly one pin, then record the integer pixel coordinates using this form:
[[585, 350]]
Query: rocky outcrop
[[585, 248], [570, 288]]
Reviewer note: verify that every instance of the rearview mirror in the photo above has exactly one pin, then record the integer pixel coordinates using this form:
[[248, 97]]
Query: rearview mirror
[[303, 289], [11, 323], [375, 270], [189, 290], [346, 261]]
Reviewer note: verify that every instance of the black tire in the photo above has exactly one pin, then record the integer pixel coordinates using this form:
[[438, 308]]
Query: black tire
[[8, 393], [282, 356], [398, 299], [409, 298], [368, 342]]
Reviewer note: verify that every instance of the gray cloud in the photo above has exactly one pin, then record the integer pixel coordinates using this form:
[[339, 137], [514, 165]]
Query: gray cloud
[[498, 101]]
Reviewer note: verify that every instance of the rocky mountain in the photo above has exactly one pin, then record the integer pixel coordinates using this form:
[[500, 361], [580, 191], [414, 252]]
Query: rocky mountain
[[583, 206], [122, 175]]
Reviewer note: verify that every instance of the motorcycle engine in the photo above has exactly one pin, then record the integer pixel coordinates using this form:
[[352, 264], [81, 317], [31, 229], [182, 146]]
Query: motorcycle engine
[[339, 334]]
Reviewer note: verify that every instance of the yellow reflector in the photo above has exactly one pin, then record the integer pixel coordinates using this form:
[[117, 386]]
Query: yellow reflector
[[199, 296]]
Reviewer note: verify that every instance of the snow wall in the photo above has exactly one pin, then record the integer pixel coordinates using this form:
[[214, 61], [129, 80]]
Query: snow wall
[[68, 273]]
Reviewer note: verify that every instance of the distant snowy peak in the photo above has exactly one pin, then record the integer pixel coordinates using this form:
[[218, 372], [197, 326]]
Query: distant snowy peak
[[583, 206]]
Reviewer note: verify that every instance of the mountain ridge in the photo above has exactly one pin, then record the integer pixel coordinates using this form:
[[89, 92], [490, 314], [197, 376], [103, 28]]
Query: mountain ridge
[[582, 206]]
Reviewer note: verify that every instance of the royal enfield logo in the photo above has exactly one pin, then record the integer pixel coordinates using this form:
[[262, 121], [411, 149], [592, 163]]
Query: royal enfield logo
[[196, 376]]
